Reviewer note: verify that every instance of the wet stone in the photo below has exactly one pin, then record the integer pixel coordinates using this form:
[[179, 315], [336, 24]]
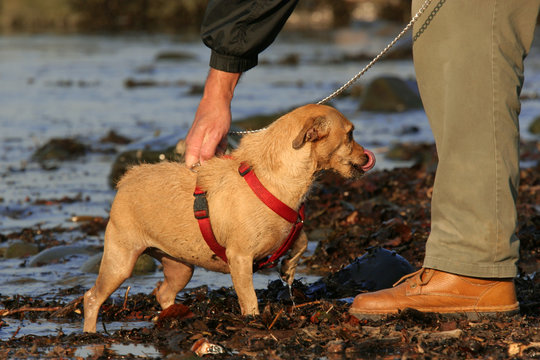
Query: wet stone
[[135, 157], [534, 127], [59, 149], [113, 137], [92, 264], [420, 154], [174, 56], [145, 264], [196, 89], [131, 83], [290, 60], [390, 94], [150, 153], [256, 121], [58, 253], [20, 249]]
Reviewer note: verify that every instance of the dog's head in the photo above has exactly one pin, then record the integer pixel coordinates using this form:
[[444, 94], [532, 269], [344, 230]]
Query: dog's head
[[333, 147]]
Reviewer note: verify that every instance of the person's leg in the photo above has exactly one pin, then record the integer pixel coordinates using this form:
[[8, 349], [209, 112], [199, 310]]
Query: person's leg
[[469, 66], [468, 58]]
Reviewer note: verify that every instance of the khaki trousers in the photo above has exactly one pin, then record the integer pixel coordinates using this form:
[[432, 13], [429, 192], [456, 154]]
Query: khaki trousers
[[468, 57]]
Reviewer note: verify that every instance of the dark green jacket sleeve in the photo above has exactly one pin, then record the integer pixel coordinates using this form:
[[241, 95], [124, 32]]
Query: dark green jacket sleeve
[[238, 30]]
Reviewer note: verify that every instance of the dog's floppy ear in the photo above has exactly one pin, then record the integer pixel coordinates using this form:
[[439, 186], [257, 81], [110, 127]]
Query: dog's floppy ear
[[314, 129]]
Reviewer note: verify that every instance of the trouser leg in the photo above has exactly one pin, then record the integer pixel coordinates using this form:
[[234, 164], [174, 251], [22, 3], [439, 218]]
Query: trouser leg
[[469, 66]]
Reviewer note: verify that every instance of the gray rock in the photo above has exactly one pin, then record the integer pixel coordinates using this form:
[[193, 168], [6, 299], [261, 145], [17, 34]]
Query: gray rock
[[145, 264], [174, 56], [57, 253], [59, 149], [20, 249], [130, 158], [424, 155], [256, 121], [92, 264], [169, 147], [534, 127], [390, 94]]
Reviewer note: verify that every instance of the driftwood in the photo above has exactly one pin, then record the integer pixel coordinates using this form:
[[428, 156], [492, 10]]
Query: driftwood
[[6, 312]]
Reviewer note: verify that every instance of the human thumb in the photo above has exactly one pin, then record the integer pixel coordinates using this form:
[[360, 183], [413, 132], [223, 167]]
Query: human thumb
[[191, 156]]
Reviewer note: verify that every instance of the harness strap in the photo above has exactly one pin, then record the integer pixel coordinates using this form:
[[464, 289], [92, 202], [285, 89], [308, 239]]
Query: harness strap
[[200, 208], [266, 196], [272, 261], [280, 208]]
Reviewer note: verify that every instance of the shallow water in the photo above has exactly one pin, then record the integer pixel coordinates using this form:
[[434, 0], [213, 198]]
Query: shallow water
[[73, 86]]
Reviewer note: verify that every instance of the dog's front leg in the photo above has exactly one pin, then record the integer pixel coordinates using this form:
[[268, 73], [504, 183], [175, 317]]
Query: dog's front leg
[[241, 267], [288, 265]]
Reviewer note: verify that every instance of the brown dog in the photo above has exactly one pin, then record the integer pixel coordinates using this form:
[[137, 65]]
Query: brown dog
[[153, 209]]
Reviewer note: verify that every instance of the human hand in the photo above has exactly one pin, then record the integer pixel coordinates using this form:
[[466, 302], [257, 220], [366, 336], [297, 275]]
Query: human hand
[[208, 133]]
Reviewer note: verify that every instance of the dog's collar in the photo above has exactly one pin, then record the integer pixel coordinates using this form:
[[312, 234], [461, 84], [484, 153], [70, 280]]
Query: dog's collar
[[200, 208]]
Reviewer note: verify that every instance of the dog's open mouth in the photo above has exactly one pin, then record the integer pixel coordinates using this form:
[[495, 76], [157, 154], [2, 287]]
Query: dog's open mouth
[[371, 161], [360, 169]]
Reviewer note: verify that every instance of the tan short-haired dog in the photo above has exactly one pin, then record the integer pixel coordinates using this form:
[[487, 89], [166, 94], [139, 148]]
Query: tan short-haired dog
[[153, 210]]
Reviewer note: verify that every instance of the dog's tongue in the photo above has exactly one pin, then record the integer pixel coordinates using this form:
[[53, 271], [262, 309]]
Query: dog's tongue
[[371, 161]]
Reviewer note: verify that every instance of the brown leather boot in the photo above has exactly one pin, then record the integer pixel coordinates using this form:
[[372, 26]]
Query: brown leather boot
[[429, 290]]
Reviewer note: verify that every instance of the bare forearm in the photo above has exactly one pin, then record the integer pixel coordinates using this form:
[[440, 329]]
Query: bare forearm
[[220, 85]]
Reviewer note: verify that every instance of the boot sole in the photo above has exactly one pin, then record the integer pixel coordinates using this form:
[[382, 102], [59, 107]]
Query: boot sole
[[471, 315]]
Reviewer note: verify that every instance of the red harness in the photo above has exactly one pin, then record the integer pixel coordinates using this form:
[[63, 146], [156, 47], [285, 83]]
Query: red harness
[[200, 208]]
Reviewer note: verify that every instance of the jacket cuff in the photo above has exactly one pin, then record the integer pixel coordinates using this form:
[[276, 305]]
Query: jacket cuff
[[232, 64]]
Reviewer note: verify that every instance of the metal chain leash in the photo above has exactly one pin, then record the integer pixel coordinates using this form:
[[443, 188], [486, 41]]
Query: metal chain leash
[[375, 59], [379, 56], [428, 20]]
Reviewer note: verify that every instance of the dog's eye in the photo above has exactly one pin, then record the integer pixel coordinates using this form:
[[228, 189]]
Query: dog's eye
[[350, 135]]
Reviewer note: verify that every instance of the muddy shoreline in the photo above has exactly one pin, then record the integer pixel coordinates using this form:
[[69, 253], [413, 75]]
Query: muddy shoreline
[[385, 208]]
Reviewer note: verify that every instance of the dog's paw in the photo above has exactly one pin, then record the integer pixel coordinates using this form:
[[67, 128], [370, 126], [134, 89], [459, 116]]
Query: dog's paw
[[286, 272]]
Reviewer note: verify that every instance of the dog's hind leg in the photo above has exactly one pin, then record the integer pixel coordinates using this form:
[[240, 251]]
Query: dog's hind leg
[[177, 275], [116, 266], [288, 265]]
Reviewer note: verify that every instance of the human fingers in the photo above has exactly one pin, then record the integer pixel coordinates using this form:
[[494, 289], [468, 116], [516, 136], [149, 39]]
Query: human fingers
[[222, 147], [209, 147], [206, 138], [194, 141]]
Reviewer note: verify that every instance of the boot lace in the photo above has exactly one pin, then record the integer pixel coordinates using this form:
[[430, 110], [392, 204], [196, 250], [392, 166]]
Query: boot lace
[[416, 278]]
